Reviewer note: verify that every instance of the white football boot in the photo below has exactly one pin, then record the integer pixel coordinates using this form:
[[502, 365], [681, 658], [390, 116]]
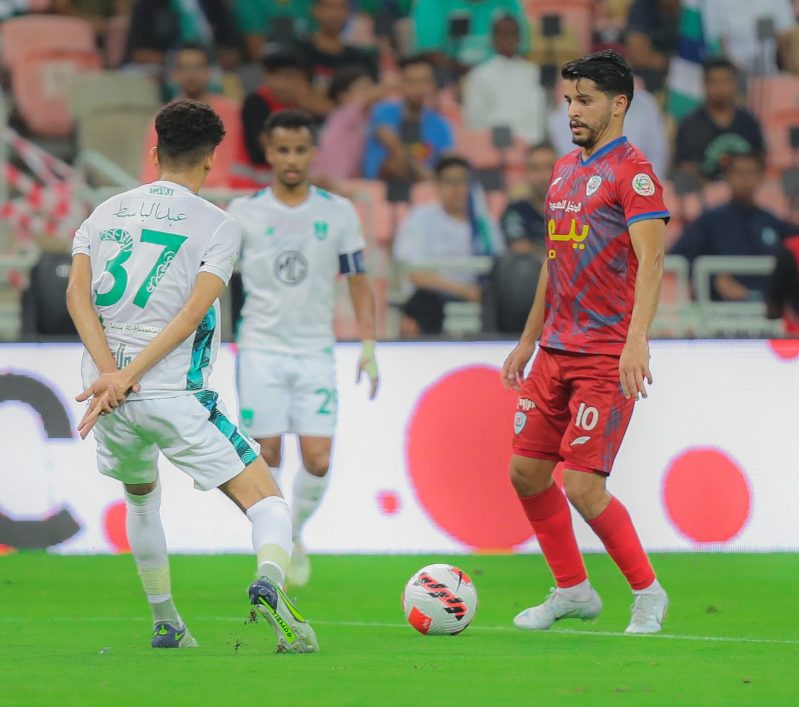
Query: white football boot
[[648, 612], [558, 606]]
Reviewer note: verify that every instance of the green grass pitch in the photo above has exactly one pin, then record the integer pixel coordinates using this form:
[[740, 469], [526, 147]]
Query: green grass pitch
[[75, 631]]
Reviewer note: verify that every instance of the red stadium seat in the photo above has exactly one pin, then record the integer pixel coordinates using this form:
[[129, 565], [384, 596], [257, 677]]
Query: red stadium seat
[[378, 216], [777, 128], [770, 95], [43, 53]]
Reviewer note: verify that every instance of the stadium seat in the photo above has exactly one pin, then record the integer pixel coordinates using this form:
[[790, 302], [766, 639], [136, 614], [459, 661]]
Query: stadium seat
[[777, 128], [772, 196], [508, 293], [48, 295], [423, 192], [576, 21], [221, 176], [43, 54], [112, 111], [378, 216], [116, 40], [449, 107], [768, 95]]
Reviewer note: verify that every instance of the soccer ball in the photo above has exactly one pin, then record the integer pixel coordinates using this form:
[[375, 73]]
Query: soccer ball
[[439, 600]]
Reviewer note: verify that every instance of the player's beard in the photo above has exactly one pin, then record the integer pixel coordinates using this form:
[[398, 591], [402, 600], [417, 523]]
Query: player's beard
[[293, 183], [593, 133]]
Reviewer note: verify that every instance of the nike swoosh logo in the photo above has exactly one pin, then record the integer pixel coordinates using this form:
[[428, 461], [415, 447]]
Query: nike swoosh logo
[[580, 440], [180, 635]]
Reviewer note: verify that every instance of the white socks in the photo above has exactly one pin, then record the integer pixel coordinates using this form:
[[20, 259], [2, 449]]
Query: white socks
[[653, 588], [579, 592], [307, 494], [148, 543], [271, 537]]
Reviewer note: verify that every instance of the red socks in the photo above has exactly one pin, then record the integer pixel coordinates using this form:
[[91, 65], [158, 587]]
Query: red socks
[[551, 519], [616, 531]]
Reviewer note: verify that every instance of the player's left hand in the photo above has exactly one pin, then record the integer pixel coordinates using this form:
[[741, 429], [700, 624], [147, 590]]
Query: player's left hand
[[107, 393], [634, 367], [367, 363]]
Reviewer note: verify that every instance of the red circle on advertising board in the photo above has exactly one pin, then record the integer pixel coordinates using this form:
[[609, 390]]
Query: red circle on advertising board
[[458, 448], [785, 349], [707, 495], [388, 502], [114, 526]]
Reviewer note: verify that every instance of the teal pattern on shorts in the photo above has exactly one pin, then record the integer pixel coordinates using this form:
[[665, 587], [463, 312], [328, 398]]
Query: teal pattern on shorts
[[208, 400]]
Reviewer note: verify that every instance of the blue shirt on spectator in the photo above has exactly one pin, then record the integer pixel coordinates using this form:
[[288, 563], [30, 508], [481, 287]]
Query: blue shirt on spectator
[[434, 136]]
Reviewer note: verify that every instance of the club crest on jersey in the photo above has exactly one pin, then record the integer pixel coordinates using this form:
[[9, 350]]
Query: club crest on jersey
[[643, 184], [291, 267], [320, 230], [593, 184], [519, 421]]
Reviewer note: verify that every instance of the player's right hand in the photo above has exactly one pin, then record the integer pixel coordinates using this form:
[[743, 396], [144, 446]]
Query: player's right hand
[[512, 371]]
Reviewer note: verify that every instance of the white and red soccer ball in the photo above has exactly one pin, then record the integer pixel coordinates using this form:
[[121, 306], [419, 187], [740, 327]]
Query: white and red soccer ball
[[439, 600]]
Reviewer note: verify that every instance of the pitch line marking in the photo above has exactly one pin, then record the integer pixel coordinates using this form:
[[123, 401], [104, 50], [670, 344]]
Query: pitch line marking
[[486, 629]]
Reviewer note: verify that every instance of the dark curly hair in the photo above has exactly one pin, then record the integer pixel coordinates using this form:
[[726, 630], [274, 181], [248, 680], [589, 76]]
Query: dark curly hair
[[188, 131], [609, 70], [290, 119]]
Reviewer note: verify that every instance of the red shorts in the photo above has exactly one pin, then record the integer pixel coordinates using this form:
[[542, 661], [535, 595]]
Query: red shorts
[[572, 408]]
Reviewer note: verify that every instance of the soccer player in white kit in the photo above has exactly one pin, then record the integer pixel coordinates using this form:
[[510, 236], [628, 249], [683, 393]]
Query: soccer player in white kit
[[296, 240], [148, 268]]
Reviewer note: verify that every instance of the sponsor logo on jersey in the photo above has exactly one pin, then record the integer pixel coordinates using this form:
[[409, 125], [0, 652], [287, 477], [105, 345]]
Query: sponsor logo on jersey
[[580, 440], [320, 229], [570, 207], [519, 421], [643, 184], [593, 184], [270, 231], [162, 191], [291, 267], [576, 234], [525, 404]]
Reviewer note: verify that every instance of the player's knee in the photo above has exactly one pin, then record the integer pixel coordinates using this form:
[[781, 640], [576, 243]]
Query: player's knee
[[317, 464], [527, 482], [583, 492]]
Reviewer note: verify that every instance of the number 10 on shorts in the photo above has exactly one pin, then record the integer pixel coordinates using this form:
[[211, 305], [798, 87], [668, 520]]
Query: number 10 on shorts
[[586, 418]]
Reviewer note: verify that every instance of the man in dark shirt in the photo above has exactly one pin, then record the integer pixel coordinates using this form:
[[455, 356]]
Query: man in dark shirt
[[653, 28], [523, 222], [285, 77], [159, 26], [719, 126], [324, 51], [739, 227]]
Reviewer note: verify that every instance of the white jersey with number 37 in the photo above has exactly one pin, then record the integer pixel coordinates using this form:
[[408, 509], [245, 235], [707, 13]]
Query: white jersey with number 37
[[291, 257], [147, 247]]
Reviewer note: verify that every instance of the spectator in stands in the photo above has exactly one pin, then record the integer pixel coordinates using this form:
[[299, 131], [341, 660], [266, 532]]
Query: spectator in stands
[[782, 295], [285, 85], [449, 228], [324, 50], [98, 12], [651, 39], [160, 26], [644, 127], [758, 36], [341, 142], [718, 126], [273, 20], [13, 8], [458, 32], [406, 138], [506, 89], [738, 227], [191, 75], [523, 223]]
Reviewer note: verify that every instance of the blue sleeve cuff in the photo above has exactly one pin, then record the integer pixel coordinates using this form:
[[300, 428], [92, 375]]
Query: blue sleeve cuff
[[648, 217]]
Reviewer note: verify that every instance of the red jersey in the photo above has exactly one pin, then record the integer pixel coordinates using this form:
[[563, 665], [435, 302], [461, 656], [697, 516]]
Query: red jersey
[[591, 263]]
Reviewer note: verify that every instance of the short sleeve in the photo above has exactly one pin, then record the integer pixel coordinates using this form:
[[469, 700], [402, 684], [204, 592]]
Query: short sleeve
[[409, 244], [351, 240], [80, 243], [223, 251], [513, 224], [784, 17], [640, 193], [248, 17]]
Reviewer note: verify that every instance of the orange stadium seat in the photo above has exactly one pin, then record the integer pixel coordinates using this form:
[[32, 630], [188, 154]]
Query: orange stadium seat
[[777, 128], [770, 95], [378, 216], [43, 54], [772, 196], [576, 21]]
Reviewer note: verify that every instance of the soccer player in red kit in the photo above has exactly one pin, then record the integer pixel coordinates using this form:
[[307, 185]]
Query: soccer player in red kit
[[593, 307]]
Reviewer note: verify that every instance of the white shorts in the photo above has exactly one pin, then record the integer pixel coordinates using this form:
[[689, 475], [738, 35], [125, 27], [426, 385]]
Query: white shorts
[[191, 431], [283, 393]]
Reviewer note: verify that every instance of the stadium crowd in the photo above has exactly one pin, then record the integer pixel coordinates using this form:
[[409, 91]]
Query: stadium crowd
[[442, 119]]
